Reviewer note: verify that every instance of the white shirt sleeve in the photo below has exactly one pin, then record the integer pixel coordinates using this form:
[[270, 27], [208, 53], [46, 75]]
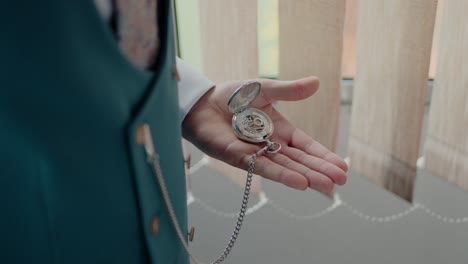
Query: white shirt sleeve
[[192, 86]]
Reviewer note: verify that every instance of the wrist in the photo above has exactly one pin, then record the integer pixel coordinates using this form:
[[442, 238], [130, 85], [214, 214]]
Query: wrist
[[193, 116]]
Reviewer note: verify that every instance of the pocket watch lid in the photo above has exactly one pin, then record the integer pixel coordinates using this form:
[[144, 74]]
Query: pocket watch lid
[[243, 96]]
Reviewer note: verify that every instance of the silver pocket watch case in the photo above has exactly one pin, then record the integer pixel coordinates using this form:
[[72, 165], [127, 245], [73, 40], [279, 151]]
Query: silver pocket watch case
[[250, 124]]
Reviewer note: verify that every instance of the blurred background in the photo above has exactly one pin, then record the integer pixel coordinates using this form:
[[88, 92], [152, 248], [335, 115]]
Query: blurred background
[[393, 101]]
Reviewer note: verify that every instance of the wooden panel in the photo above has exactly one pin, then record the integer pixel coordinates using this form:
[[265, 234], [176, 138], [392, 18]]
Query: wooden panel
[[393, 52], [446, 149], [229, 47], [311, 36]]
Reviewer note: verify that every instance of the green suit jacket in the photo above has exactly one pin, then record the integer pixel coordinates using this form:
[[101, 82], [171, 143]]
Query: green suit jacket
[[75, 186]]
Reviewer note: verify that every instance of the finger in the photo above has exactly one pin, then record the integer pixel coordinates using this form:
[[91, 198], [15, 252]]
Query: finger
[[302, 141], [238, 153], [276, 90], [263, 166], [316, 180], [270, 170], [335, 173]]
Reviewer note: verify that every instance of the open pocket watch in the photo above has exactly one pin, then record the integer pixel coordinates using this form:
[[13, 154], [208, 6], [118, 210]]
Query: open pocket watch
[[250, 124]]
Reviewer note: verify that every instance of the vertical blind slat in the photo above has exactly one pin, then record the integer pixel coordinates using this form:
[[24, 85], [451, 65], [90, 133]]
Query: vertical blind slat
[[229, 39], [446, 148], [311, 39], [393, 52], [229, 47]]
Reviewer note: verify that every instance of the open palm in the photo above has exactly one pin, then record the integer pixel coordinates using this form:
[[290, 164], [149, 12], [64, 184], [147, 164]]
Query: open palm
[[302, 161]]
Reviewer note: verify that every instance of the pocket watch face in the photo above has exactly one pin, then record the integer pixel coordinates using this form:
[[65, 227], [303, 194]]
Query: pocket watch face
[[252, 125]]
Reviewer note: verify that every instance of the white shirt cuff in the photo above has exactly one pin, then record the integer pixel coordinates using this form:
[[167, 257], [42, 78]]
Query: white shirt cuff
[[192, 86]]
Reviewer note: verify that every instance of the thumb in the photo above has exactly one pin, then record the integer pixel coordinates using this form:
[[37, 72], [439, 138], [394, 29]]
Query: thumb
[[276, 90]]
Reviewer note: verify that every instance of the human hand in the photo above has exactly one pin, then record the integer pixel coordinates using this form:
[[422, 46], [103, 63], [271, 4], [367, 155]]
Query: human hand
[[302, 162]]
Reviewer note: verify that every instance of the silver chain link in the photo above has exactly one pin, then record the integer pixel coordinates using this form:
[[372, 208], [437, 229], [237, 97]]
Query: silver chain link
[[153, 160], [221, 213], [240, 218], [263, 200]]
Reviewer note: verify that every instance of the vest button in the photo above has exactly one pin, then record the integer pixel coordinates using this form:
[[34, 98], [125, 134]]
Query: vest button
[[140, 134], [143, 137], [154, 225], [191, 234], [175, 73]]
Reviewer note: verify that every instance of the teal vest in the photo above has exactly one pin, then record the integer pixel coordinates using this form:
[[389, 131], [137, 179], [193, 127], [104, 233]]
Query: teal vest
[[75, 186]]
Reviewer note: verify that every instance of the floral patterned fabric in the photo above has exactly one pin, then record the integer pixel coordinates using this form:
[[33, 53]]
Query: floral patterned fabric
[[135, 26]]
